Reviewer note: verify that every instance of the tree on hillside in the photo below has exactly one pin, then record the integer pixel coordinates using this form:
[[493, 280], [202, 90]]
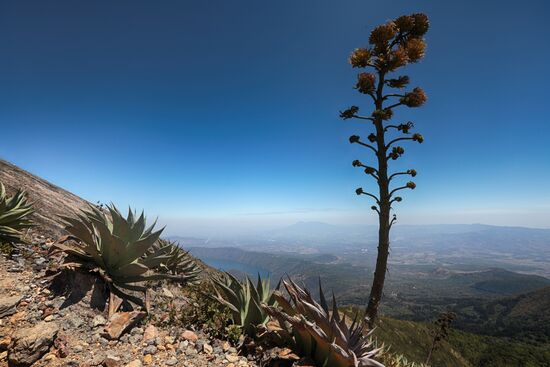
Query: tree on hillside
[[392, 46]]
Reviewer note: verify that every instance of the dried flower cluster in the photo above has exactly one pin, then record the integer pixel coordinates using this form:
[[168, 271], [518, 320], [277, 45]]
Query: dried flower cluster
[[416, 98], [394, 44], [365, 83]]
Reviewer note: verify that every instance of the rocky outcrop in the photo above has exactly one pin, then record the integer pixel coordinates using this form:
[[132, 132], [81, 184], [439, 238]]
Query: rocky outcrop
[[8, 305], [50, 201], [29, 344]]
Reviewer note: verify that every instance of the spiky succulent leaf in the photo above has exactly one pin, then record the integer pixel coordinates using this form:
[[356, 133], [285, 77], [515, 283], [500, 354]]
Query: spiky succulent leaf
[[14, 216], [121, 248], [320, 333], [245, 300], [168, 257]]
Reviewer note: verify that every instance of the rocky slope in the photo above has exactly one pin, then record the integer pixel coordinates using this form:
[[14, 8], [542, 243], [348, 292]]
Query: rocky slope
[[41, 326], [62, 321], [49, 200]]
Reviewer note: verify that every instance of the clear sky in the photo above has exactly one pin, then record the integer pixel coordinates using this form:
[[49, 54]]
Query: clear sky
[[224, 114]]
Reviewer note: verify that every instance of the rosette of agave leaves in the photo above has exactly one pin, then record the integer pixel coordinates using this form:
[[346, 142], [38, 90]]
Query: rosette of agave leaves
[[244, 300], [316, 332], [177, 260], [124, 252], [14, 216]]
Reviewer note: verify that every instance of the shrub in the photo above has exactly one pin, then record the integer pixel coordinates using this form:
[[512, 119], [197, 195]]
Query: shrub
[[14, 217]]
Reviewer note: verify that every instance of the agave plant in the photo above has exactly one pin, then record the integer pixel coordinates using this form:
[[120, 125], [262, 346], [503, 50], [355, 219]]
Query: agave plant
[[120, 250], [178, 262], [245, 300], [322, 334], [14, 216]]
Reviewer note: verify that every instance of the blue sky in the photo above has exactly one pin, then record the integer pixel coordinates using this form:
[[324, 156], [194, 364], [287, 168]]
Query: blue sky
[[224, 114]]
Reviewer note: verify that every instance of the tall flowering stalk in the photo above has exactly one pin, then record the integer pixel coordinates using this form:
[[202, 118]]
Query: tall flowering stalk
[[391, 46]]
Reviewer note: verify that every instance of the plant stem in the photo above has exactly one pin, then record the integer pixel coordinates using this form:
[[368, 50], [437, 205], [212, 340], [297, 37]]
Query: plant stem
[[384, 214]]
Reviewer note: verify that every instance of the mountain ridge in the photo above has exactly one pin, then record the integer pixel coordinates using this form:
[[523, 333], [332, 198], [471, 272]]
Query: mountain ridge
[[50, 201]]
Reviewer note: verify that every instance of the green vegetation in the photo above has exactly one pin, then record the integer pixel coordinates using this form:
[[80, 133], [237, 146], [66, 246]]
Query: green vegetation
[[244, 300], [524, 318], [178, 261], [397, 360], [121, 251], [485, 351], [412, 340], [14, 217], [392, 46], [441, 332], [206, 313], [316, 332]]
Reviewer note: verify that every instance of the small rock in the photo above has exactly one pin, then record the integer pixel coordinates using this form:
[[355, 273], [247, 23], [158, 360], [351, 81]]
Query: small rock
[[29, 344], [226, 346], [150, 332], [8, 305], [151, 349], [171, 362], [111, 361], [61, 346], [147, 359], [134, 363], [136, 331], [49, 357], [73, 322], [189, 335], [167, 293], [207, 348], [122, 321], [169, 339], [190, 351], [232, 358], [48, 318], [98, 320], [78, 348], [96, 360]]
